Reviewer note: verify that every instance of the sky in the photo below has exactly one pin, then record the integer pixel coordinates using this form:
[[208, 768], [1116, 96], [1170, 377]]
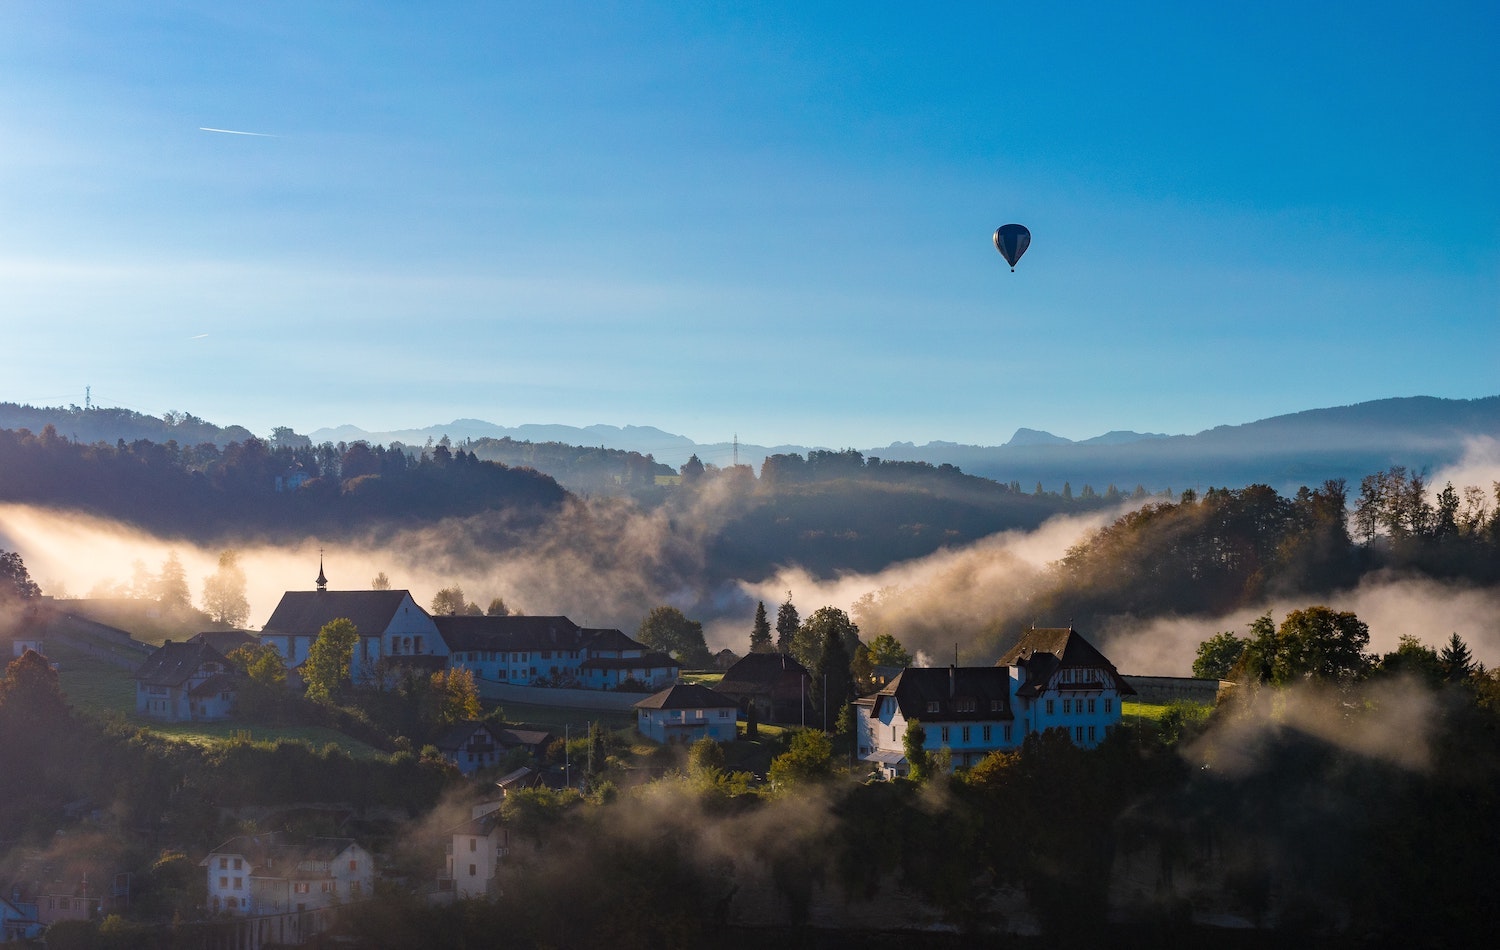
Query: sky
[[769, 220]]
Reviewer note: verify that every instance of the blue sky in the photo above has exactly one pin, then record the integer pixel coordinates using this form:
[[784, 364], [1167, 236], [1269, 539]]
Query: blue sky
[[765, 219]]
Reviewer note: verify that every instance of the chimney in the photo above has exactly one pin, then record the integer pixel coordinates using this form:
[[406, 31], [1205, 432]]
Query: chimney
[[952, 681]]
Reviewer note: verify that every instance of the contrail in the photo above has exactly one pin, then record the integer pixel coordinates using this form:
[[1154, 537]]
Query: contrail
[[261, 135]]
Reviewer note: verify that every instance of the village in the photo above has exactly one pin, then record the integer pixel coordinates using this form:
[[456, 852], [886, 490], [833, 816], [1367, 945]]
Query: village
[[275, 886]]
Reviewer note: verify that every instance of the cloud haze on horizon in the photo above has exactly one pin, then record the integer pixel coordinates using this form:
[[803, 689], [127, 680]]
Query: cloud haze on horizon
[[769, 220]]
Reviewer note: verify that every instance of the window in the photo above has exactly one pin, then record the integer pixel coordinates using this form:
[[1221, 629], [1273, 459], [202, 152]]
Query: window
[[1078, 734], [965, 705], [223, 864], [239, 883], [473, 844], [473, 870], [354, 864], [945, 735], [1109, 705], [986, 733], [723, 714], [301, 887], [231, 902], [965, 738], [1091, 733], [238, 864], [1091, 706], [224, 883], [1067, 706], [546, 654], [996, 705], [1049, 707], [1007, 733], [932, 706], [419, 645]]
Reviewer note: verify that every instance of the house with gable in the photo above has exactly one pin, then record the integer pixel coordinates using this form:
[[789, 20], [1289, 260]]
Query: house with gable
[[774, 684], [393, 629], [687, 712], [271, 875], [967, 710], [1066, 683], [186, 682], [1051, 679], [470, 746]]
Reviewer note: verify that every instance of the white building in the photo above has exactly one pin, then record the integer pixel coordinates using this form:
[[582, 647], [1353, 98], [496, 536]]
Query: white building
[[475, 850], [1051, 679], [551, 651], [687, 712], [392, 628], [268, 875]]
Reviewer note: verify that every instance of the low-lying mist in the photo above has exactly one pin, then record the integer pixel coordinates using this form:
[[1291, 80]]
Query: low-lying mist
[[607, 562]]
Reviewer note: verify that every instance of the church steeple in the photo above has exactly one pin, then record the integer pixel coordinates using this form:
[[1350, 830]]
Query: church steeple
[[322, 581]]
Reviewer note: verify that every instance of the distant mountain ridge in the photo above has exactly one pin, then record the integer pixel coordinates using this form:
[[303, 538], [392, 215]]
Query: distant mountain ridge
[[1286, 452]]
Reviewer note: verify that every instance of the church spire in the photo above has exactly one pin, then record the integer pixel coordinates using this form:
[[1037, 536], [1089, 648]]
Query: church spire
[[322, 581]]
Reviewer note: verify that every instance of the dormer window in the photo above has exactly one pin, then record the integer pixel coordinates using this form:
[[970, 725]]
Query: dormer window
[[932, 706]]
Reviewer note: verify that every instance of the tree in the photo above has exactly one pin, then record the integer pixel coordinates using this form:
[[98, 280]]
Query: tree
[[1414, 658], [497, 608], [1457, 662], [457, 696], [667, 629], [380, 582], [15, 582], [760, 633], [1321, 644], [886, 650], [171, 587], [833, 679], [224, 592], [450, 601], [705, 758], [787, 622], [692, 470], [262, 663], [914, 745], [1217, 656], [329, 658], [807, 645], [808, 761]]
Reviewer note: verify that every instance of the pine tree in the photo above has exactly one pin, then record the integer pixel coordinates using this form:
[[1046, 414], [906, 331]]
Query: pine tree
[[1457, 661], [760, 634], [787, 622]]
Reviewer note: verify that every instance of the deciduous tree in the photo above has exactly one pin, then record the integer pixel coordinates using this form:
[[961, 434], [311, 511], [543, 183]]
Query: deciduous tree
[[224, 592], [328, 659], [667, 629]]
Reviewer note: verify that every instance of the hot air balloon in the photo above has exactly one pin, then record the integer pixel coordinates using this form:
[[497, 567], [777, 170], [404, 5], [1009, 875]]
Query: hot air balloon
[[1012, 240]]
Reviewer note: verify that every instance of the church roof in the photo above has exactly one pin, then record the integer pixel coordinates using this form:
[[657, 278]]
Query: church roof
[[304, 612]]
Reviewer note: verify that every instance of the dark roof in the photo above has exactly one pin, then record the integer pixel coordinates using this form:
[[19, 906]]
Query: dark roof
[[687, 696], [463, 634], [759, 672], [609, 639], [953, 689], [275, 855], [510, 738], [1042, 651], [175, 663], [305, 612], [226, 641], [480, 827], [651, 661]]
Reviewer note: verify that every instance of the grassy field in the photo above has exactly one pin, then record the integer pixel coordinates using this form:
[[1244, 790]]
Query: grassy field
[[555, 718]]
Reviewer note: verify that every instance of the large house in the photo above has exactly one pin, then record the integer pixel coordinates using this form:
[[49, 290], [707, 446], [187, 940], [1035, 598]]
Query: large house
[[269, 875], [551, 651], [184, 682], [687, 712], [393, 628], [1051, 679]]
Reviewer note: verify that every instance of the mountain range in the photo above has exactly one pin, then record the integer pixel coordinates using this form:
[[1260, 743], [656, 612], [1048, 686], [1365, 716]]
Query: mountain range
[[1422, 433]]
